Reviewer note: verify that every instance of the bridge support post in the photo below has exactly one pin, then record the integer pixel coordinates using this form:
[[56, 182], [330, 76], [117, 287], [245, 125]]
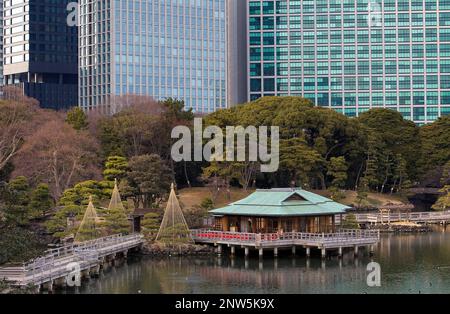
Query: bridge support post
[[111, 259], [125, 254], [261, 253], [275, 252], [294, 250], [247, 251], [86, 274], [49, 286], [356, 251], [308, 252], [95, 271], [340, 252], [219, 249], [233, 250], [324, 253], [371, 250], [61, 282]]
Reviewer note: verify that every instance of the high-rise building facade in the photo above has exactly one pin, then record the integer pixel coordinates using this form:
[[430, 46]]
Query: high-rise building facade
[[161, 49], [40, 51], [353, 55], [1, 45]]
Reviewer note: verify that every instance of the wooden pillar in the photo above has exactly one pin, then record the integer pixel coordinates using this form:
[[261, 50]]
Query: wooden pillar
[[371, 250], [247, 251], [49, 286], [356, 250], [308, 252], [219, 249], [233, 250], [340, 252], [294, 250], [261, 252], [324, 253], [275, 252], [95, 271]]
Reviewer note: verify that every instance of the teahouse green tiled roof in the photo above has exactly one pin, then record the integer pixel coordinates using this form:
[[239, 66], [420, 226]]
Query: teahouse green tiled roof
[[282, 202]]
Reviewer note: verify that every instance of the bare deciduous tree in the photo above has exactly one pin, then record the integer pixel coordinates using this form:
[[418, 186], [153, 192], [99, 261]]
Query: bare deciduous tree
[[14, 118], [58, 155]]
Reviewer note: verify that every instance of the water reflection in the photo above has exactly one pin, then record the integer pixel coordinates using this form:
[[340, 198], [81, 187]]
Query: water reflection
[[410, 264]]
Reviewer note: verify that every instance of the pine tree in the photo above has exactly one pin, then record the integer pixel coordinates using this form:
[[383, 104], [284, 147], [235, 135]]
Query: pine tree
[[115, 168], [41, 201], [116, 219], [88, 229], [337, 169], [77, 119], [174, 229], [443, 203], [150, 226], [350, 222]]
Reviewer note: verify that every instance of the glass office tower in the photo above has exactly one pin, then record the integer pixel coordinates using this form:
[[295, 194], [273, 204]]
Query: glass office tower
[[163, 49], [1, 46], [353, 55]]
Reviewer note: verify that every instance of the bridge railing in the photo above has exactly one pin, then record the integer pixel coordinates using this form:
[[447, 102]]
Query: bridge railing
[[341, 236], [79, 249], [396, 217], [206, 234]]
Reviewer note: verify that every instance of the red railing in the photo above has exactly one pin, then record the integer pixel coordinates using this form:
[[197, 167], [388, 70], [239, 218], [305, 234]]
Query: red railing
[[340, 237]]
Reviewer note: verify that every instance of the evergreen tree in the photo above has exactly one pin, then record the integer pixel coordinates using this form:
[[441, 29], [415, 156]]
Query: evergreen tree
[[77, 119], [350, 222], [116, 167], [337, 169], [41, 201], [88, 229], [362, 193], [443, 203], [116, 219], [174, 229], [150, 225], [16, 198]]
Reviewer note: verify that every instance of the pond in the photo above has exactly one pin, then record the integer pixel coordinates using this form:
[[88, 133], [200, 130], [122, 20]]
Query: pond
[[410, 263]]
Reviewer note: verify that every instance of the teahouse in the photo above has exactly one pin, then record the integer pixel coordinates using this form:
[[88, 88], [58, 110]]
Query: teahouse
[[279, 211]]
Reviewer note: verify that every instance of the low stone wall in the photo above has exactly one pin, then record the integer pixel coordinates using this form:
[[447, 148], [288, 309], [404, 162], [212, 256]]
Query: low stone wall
[[158, 250], [403, 229]]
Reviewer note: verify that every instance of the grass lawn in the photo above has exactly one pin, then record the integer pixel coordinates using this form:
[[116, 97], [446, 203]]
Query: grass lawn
[[192, 197]]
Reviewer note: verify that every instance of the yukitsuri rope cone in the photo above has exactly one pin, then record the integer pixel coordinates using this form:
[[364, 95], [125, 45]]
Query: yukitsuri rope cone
[[117, 221], [88, 227], [174, 229]]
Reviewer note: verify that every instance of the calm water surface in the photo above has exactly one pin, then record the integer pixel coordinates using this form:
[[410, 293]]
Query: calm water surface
[[410, 264]]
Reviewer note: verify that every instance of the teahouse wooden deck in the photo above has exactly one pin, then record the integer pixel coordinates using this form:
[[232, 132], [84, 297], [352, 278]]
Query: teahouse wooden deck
[[324, 241]]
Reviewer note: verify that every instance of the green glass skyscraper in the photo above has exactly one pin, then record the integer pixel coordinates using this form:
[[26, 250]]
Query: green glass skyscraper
[[353, 55]]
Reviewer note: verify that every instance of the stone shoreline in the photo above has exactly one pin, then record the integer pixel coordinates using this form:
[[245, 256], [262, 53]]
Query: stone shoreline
[[157, 250], [404, 229]]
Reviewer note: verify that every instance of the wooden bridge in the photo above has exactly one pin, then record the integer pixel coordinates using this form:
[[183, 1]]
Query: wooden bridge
[[55, 266], [388, 218], [332, 241]]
